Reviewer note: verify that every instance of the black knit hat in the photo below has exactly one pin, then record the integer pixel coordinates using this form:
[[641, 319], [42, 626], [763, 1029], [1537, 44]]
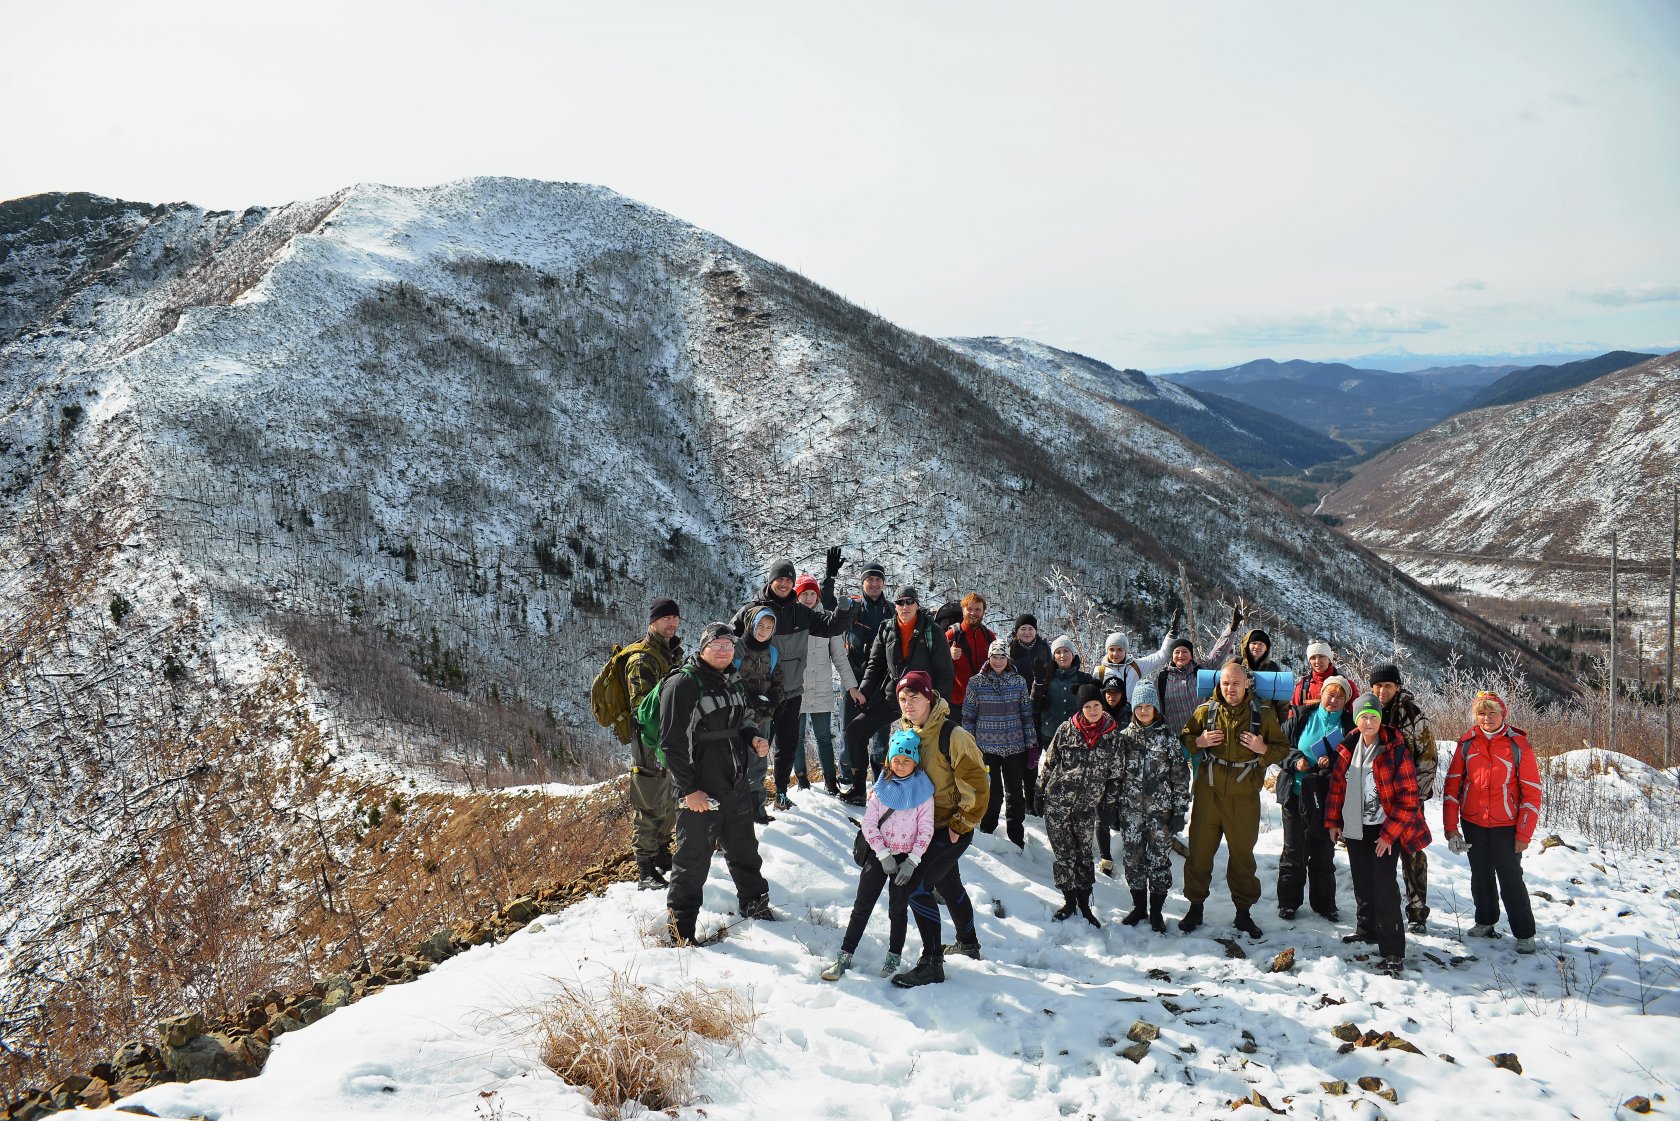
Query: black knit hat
[[783, 568], [1088, 693], [873, 568], [662, 607], [1388, 672], [1184, 642], [1258, 635], [1026, 619], [906, 591]]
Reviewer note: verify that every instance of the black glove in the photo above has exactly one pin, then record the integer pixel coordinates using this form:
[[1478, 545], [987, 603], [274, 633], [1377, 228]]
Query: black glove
[[1175, 824], [1178, 617], [1236, 616], [835, 556]]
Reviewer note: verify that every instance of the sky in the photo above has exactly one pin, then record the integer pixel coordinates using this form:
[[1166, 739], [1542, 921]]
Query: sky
[[1161, 186]]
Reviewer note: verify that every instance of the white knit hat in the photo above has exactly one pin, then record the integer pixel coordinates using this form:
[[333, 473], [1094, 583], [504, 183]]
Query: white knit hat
[[1320, 647]]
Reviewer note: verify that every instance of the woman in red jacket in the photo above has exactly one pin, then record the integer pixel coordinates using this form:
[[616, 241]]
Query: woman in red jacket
[[1493, 791], [1373, 808]]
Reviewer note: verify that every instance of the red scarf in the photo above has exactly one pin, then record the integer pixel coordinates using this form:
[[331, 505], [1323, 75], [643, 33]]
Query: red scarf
[[1092, 732]]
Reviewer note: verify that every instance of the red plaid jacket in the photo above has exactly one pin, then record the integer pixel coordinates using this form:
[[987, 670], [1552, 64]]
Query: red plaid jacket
[[1396, 777]]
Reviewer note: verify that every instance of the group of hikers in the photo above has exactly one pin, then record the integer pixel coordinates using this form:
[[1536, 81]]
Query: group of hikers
[[948, 728]]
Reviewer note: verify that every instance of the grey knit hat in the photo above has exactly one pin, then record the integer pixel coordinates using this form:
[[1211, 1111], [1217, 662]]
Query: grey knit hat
[[1118, 638], [1145, 694], [1063, 642]]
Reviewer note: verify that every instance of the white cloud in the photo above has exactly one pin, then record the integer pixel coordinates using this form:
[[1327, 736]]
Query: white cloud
[[1470, 286], [1360, 323], [1623, 295]]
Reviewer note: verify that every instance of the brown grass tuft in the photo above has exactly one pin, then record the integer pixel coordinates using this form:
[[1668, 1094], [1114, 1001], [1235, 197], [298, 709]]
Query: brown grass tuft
[[630, 1042]]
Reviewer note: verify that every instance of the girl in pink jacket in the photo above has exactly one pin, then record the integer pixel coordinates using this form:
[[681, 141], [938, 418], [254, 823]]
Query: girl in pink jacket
[[897, 826]]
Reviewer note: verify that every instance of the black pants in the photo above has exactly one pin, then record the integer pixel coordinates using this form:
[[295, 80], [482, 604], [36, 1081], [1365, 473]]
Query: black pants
[[1494, 859], [870, 882], [849, 711], [1376, 890], [874, 718], [697, 837], [940, 873], [784, 738], [1308, 858], [1009, 784]]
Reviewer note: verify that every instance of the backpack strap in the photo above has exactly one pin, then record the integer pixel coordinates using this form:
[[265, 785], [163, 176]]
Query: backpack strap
[[945, 742]]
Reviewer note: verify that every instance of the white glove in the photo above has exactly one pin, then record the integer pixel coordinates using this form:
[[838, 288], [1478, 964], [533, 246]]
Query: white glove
[[1457, 843]]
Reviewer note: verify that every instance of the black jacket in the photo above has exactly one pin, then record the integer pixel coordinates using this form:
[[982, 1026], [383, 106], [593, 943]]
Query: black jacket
[[705, 729], [928, 651], [1035, 664]]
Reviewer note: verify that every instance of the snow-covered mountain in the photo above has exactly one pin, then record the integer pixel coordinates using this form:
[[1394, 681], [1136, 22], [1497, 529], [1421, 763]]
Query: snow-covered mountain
[[297, 502], [1254, 440], [1520, 500]]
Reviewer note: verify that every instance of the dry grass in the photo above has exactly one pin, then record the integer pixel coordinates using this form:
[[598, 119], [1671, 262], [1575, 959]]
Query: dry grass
[[629, 1042]]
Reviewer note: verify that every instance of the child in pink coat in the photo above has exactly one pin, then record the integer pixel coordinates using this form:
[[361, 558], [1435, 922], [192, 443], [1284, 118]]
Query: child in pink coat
[[897, 826]]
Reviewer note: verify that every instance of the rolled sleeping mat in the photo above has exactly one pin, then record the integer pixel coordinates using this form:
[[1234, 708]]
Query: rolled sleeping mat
[[1269, 685]]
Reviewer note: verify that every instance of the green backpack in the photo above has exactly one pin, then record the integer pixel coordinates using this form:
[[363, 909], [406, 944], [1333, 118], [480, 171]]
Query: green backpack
[[647, 714]]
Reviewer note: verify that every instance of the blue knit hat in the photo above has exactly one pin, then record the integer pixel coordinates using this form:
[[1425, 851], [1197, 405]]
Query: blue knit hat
[[905, 742], [1145, 694]]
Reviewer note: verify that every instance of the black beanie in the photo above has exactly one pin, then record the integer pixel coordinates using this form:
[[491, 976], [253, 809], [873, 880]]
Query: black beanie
[[1388, 672], [1258, 635], [783, 568], [1184, 642], [1026, 619], [1088, 693], [662, 607]]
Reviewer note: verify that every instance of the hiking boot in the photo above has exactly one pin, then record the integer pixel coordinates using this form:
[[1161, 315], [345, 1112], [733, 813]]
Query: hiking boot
[[928, 971], [680, 928], [890, 964], [968, 947], [1392, 966], [1068, 907], [1106, 866], [1140, 904], [854, 796], [1192, 918], [1018, 834], [1286, 913], [803, 782], [842, 962], [1331, 916], [757, 909], [783, 802], [1084, 901], [1357, 937], [831, 788], [1485, 930], [1417, 926], [1156, 922], [664, 861], [761, 816], [649, 878], [1245, 923], [1526, 946]]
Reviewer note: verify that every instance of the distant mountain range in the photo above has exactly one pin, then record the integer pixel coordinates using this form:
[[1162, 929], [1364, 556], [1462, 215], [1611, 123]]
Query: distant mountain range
[[1254, 440], [1371, 408]]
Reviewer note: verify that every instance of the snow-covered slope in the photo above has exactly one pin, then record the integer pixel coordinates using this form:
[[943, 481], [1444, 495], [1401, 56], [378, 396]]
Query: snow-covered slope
[[1520, 500], [1037, 1028]]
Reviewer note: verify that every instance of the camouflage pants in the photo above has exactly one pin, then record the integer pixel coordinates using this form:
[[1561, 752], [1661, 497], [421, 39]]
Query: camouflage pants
[[653, 816], [1414, 867], [1148, 853], [1070, 829]]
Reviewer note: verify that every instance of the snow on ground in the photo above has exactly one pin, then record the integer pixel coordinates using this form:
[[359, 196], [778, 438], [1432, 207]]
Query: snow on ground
[[1035, 1028]]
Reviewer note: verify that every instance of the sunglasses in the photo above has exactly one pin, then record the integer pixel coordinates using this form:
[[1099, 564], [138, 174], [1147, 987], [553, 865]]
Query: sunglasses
[[905, 602]]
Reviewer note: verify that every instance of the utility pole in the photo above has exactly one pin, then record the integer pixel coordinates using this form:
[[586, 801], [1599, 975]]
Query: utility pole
[[1668, 684], [1613, 607]]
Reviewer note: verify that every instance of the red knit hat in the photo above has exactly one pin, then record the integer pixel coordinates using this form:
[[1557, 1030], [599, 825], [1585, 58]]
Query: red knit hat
[[806, 583]]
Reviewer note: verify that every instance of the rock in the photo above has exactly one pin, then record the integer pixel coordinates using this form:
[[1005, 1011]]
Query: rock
[[255, 1017], [1637, 1105], [1505, 1060], [179, 1031], [439, 947], [103, 1072], [1392, 1042], [1672, 893], [521, 911], [1255, 1097], [1233, 948], [1160, 974], [1143, 1032], [1554, 841], [1284, 962], [1325, 1000], [1348, 1032], [139, 1110], [71, 1084], [1137, 1051], [209, 1056], [1337, 1088], [1446, 1058]]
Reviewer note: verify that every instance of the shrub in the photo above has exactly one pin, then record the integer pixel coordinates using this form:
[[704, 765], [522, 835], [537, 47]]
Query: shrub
[[629, 1042]]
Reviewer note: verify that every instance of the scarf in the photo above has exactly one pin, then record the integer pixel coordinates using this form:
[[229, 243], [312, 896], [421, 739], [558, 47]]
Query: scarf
[[904, 793], [1092, 732]]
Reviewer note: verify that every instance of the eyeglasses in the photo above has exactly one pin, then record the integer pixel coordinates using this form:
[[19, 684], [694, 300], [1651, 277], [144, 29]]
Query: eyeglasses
[[905, 602]]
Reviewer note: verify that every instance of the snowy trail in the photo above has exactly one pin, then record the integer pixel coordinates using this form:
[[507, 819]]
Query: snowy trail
[[1036, 1029]]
